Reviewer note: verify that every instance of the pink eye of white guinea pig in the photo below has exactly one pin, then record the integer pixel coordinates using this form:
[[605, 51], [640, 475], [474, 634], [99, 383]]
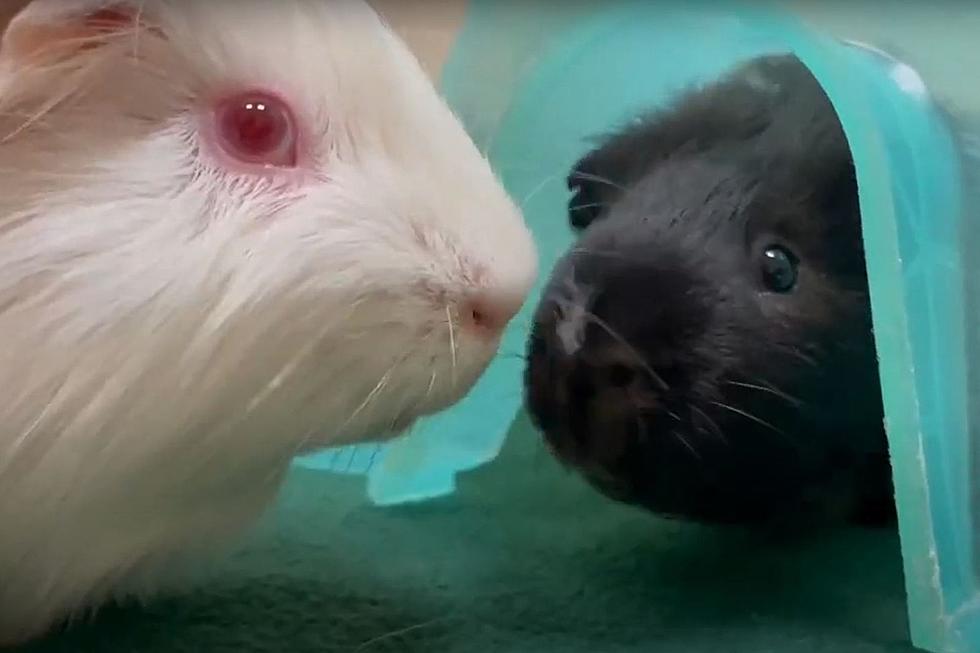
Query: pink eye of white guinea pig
[[230, 232], [257, 128]]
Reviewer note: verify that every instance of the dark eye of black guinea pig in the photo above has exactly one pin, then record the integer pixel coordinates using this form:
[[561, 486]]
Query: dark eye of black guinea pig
[[705, 349]]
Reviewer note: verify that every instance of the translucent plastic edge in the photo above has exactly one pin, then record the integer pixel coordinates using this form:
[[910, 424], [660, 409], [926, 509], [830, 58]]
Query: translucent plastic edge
[[928, 615]]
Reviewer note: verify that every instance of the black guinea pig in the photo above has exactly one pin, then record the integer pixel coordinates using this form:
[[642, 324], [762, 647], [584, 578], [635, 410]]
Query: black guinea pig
[[705, 349]]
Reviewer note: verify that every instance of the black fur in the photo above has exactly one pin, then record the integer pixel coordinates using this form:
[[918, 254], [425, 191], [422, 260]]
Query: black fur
[[684, 384]]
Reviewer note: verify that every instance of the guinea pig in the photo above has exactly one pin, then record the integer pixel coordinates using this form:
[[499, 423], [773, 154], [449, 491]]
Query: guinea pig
[[705, 349], [230, 233]]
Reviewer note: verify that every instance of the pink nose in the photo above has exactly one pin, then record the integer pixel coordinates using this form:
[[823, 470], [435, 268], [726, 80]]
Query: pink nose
[[490, 312]]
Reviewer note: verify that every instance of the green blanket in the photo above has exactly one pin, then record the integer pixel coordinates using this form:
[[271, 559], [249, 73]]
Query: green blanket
[[524, 558]]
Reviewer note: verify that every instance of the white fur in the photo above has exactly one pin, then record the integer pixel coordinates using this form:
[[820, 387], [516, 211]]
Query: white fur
[[173, 332]]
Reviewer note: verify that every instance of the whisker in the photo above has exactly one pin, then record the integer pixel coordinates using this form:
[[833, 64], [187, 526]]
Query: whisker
[[385, 378], [452, 342], [537, 189], [375, 392], [690, 447], [771, 390], [371, 395], [278, 382], [394, 420], [748, 416], [711, 423], [636, 355], [591, 205], [806, 358], [586, 176]]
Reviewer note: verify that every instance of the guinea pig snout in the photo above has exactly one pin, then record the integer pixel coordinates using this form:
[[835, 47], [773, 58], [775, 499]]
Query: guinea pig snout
[[482, 293], [587, 387], [488, 310], [613, 354], [479, 306]]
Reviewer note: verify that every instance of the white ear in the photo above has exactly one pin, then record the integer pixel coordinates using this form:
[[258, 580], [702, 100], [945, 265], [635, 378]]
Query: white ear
[[46, 29]]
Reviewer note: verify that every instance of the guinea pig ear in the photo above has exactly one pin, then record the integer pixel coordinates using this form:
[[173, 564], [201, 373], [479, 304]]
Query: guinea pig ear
[[47, 30]]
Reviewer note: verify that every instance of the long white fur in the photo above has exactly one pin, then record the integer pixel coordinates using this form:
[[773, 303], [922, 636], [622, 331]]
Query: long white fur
[[173, 332]]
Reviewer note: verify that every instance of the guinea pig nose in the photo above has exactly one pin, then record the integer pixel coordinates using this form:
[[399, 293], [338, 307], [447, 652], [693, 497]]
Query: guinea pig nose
[[623, 367], [490, 311]]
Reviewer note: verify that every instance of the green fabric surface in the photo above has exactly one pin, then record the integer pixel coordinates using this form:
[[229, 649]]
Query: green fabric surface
[[524, 558]]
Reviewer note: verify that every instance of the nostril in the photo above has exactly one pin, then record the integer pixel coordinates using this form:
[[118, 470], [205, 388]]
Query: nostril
[[490, 312], [481, 317]]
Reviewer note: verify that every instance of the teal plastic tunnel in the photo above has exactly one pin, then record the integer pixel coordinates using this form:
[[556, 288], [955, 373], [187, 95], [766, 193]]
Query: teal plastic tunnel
[[535, 81]]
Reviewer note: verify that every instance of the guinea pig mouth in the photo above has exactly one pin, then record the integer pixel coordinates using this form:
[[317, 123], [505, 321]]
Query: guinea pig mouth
[[598, 452], [594, 435], [445, 389]]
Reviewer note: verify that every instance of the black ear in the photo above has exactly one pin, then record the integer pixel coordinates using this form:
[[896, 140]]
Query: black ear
[[695, 121]]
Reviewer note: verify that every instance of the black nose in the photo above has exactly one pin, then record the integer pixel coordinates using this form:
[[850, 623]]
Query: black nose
[[582, 365], [594, 377], [586, 390], [583, 342]]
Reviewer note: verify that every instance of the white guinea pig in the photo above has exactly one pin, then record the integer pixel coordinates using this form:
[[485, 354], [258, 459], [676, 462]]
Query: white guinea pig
[[230, 232]]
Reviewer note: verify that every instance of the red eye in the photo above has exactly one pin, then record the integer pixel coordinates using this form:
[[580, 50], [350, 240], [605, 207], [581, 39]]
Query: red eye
[[258, 129]]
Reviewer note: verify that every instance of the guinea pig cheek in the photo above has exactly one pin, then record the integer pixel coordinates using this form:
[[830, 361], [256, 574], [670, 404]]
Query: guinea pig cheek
[[258, 134]]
